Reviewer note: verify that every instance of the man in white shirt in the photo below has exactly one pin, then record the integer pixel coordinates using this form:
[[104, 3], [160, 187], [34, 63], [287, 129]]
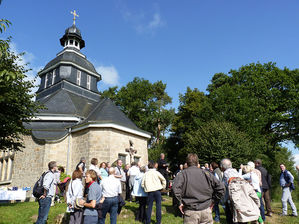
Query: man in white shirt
[[153, 182], [121, 175], [111, 189]]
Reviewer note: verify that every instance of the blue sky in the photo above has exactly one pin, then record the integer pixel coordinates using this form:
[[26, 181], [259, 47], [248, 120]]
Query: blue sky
[[182, 43]]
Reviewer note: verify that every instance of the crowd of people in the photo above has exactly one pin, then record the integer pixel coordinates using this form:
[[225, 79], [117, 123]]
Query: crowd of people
[[197, 191]]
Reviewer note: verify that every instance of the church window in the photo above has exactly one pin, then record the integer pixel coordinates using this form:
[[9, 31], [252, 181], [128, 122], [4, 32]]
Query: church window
[[76, 43], [88, 81], [46, 80], [6, 166], [71, 42], [136, 159], [122, 157], [78, 77], [53, 76]]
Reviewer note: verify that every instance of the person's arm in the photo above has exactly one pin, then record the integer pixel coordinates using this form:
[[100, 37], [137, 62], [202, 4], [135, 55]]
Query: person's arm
[[178, 190], [218, 187], [91, 204], [162, 179], [48, 179], [118, 173]]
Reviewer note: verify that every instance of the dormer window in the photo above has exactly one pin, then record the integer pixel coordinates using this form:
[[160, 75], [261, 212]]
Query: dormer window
[[53, 76], [46, 80], [88, 81], [78, 77]]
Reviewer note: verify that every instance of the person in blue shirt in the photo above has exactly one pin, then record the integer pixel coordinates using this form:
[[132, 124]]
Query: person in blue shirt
[[45, 200], [94, 197], [286, 180]]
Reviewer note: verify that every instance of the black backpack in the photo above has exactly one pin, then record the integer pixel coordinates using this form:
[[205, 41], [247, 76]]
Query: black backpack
[[38, 189]]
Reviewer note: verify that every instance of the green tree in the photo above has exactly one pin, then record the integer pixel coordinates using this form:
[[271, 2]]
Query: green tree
[[214, 141], [261, 99], [193, 111], [16, 100], [145, 103]]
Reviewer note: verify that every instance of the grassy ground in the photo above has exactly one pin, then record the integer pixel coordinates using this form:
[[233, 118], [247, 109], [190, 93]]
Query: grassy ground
[[27, 213]]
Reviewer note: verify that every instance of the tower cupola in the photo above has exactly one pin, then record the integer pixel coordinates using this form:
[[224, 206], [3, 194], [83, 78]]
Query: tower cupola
[[72, 36]]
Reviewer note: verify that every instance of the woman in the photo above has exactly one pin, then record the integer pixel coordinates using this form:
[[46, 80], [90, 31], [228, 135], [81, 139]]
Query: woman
[[94, 197], [253, 179], [140, 195], [103, 171], [75, 191]]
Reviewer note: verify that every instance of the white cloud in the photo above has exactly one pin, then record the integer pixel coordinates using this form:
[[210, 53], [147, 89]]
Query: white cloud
[[26, 60], [296, 159], [109, 75], [143, 22]]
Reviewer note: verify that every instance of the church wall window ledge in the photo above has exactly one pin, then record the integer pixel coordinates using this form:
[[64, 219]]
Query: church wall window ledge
[[5, 182]]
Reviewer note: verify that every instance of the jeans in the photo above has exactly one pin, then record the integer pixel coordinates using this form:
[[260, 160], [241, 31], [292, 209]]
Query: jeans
[[43, 210], [90, 219], [110, 205], [287, 198], [217, 212], [262, 209], [154, 196]]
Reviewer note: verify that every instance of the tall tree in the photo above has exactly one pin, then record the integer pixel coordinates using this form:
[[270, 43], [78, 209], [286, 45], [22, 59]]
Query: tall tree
[[16, 99], [214, 140], [261, 99], [146, 104]]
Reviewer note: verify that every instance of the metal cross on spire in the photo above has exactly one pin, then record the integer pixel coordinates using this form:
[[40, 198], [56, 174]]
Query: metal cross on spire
[[75, 14]]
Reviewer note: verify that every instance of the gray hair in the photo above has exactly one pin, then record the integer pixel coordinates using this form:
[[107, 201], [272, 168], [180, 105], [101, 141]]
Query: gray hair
[[226, 164], [82, 159], [111, 171]]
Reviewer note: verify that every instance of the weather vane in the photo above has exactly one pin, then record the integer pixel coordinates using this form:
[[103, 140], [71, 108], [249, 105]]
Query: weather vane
[[75, 14]]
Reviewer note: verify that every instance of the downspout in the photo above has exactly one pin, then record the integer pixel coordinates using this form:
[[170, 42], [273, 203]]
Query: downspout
[[68, 152]]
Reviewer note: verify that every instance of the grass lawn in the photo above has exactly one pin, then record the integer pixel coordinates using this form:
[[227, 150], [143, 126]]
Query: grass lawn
[[27, 213]]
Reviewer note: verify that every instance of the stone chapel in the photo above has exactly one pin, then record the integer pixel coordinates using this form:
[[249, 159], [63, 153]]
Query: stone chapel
[[76, 121]]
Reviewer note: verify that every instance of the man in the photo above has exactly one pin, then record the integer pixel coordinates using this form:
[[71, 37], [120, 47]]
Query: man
[[228, 172], [286, 181], [94, 196], [162, 168], [197, 200], [266, 185], [81, 166], [153, 182], [111, 189], [120, 174], [45, 200]]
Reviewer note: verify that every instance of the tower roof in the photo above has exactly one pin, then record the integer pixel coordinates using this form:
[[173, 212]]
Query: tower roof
[[72, 33]]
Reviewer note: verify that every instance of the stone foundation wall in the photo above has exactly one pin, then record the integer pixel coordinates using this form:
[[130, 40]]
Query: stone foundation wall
[[105, 144], [29, 164]]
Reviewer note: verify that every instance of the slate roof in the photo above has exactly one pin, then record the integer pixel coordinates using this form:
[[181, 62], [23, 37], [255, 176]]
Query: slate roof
[[72, 57], [64, 103], [107, 112]]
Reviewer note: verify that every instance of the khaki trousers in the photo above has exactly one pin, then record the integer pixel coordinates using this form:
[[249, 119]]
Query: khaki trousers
[[267, 198], [198, 217]]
